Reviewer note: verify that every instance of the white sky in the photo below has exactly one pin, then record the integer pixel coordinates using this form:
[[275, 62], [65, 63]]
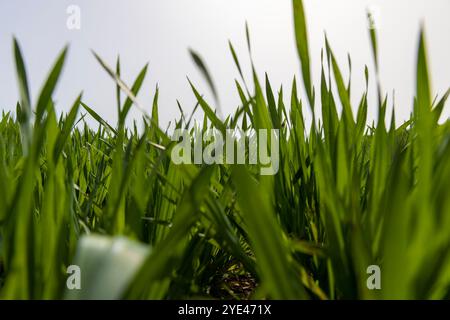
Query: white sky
[[160, 31]]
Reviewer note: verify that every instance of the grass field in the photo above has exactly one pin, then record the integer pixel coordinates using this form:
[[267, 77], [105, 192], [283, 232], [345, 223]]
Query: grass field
[[348, 194]]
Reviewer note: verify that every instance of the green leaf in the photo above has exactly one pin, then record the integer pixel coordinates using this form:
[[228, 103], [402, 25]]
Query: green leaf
[[135, 90], [272, 256], [208, 111], [67, 129], [301, 37], [49, 86], [24, 94], [97, 117]]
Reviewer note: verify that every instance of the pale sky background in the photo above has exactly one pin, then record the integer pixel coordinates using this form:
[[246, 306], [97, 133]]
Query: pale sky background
[[160, 31]]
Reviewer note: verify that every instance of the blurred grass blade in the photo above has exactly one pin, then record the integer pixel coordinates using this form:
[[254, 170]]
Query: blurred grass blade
[[24, 95], [301, 37], [204, 71], [50, 84]]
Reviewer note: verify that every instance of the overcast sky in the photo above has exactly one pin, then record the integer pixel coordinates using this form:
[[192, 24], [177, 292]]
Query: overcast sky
[[161, 31]]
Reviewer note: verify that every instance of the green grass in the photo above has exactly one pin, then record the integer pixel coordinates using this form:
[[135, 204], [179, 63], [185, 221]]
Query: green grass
[[347, 195]]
